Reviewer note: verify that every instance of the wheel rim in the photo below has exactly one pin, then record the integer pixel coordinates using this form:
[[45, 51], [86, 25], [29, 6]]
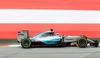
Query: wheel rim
[[26, 43], [82, 43]]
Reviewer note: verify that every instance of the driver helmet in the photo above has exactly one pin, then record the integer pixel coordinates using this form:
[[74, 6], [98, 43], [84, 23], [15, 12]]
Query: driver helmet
[[57, 34]]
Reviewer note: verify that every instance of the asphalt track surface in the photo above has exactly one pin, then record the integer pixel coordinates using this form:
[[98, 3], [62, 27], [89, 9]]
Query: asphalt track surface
[[49, 52]]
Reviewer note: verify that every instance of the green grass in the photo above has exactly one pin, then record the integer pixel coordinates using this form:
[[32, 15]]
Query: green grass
[[8, 41], [96, 39]]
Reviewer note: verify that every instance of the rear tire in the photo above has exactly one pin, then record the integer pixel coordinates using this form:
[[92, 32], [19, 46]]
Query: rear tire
[[26, 43], [82, 42]]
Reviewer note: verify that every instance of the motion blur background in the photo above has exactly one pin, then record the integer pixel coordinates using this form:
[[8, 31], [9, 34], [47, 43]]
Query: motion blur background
[[70, 17]]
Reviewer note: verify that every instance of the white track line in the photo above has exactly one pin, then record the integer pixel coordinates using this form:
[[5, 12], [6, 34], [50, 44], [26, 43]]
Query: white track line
[[14, 45]]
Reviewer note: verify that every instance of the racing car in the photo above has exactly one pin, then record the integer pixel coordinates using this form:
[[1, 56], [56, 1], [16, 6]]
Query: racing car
[[49, 37]]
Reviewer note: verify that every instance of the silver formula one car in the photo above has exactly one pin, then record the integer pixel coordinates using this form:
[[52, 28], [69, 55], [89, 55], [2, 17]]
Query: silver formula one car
[[50, 38]]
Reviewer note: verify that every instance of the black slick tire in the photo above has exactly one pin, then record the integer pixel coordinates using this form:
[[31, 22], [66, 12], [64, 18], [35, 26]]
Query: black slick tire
[[26, 43], [82, 42]]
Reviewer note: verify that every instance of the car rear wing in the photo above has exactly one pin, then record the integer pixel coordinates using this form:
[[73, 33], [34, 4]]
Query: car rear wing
[[22, 34]]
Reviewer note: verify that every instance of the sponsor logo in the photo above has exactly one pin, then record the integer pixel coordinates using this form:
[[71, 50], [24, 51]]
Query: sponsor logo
[[68, 39]]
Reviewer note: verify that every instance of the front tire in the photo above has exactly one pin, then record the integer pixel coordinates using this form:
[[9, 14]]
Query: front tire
[[82, 42], [26, 43]]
